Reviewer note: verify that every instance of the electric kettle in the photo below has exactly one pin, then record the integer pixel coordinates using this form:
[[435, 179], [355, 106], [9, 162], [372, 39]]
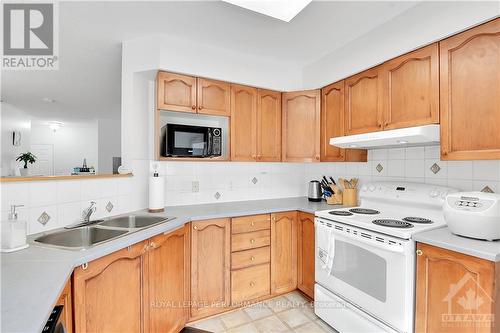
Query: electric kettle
[[314, 193]]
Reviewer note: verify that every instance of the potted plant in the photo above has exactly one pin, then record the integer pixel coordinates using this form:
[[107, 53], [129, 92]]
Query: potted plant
[[26, 158]]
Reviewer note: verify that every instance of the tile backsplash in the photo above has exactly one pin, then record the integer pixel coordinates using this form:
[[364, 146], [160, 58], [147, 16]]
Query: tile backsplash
[[210, 182]]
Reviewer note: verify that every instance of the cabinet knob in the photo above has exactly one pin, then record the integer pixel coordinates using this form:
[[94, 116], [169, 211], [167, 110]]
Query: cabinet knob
[[200, 107], [252, 284], [252, 241], [419, 252], [85, 266], [259, 157], [195, 228], [252, 223], [193, 107], [252, 258], [316, 157], [153, 245]]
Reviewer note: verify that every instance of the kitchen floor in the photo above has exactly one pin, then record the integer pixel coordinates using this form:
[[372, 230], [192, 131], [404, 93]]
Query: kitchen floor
[[287, 313]]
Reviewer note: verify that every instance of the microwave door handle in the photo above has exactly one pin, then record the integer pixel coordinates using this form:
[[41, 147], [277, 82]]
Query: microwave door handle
[[375, 244], [208, 148]]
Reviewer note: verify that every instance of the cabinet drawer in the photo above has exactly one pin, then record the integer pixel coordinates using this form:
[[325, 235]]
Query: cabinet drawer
[[250, 257], [250, 283], [250, 240], [250, 223]]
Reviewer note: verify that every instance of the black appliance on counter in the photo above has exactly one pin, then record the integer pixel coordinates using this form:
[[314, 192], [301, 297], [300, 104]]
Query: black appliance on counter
[[190, 141]]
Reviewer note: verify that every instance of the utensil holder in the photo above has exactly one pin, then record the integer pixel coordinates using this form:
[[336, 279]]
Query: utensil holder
[[350, 197], [336, 198]]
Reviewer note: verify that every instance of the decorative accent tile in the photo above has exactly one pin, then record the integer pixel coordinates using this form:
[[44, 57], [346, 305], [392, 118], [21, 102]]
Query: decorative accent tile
[[109, 207], [487, 189], [44, 218], [379, 167], [254, 180], [435, 168], [217, 195]]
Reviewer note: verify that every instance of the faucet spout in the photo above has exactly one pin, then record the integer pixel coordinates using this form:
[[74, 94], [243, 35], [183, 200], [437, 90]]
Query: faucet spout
[[87, 212]]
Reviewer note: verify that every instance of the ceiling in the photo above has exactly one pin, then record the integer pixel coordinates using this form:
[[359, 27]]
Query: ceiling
[[88, 81]]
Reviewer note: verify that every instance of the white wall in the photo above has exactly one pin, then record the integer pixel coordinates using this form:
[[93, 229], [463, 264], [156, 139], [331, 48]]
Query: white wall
[[109, 144], [73, 142], [421, 25], [13, 119]]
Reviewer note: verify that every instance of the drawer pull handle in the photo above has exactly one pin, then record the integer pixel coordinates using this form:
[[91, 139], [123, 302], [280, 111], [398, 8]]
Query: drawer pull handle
[[252, 241], [252, 258], [252, 284], [252, 223]]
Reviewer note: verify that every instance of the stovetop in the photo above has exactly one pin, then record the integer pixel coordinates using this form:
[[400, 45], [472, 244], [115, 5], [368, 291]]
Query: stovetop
[[394, 208]]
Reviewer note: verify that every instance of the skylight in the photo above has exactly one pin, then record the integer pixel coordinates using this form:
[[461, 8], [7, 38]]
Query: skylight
[[284, 10]]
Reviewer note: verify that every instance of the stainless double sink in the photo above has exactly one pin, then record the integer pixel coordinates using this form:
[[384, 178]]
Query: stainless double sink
[[86, 236]]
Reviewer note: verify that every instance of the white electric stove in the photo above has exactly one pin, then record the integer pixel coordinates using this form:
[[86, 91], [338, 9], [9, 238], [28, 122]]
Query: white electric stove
[[365, 258]]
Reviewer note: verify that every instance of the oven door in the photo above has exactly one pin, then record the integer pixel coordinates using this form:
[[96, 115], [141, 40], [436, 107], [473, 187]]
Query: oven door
[[187, 141], [372, 271]]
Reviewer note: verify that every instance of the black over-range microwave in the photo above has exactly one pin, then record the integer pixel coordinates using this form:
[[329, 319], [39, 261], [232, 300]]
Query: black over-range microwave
[[191, 141]]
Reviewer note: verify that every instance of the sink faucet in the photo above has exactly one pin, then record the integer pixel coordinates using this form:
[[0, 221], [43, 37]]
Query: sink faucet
[[87, 212]]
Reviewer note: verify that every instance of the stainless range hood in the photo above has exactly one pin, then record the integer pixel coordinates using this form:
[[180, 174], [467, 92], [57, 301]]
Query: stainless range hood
[[427, 135]]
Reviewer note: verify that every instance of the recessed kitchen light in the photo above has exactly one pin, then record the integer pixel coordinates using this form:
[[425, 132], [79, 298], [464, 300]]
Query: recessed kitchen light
[[55, 125], [284, 10], [48, 100]]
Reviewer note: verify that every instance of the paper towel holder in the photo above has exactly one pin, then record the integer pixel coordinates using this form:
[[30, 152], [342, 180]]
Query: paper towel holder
[[155, 210]]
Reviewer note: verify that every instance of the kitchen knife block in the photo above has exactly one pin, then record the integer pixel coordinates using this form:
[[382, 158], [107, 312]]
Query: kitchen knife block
[[350, 197], [335, 199]]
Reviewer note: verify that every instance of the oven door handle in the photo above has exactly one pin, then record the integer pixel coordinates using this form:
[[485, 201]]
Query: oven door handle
[[373, 243]]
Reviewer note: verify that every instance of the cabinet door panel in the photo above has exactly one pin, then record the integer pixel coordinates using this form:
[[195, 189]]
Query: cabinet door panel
[[210, 267], [301, 126], [243, 123], [332, 121], [269, 126], [470, 94], [214, 97], [176, 92], [108, 293], [283, 252], [412, 89], [250, 283], [305, 230], [364, 102], [446, 283], [168, 281]]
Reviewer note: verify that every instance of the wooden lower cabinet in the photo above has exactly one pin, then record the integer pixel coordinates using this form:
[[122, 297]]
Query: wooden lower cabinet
[[455, 292], [210, 267], [250, 283], [142, 288], [167, 288], [108, 294], [66, 301], [283, 252], [305, 233]]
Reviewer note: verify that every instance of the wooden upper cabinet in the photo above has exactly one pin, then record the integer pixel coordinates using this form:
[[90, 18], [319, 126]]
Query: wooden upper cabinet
[[268, 126], [283, 252], [176, 92], [305, 232], [210, 267], [446, 283], [364, 102], [412, 89], [470, 94], [214, 97], [332, 120], [243, 123], [108, 293], [301, 126], [167, 290]]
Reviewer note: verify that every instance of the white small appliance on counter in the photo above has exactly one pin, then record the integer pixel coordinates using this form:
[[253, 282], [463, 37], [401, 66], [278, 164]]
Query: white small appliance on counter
[[13, 232], [473, 214]]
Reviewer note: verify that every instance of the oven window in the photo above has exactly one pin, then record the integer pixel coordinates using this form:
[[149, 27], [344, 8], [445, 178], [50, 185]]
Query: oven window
[[189, 140], [360, 268]]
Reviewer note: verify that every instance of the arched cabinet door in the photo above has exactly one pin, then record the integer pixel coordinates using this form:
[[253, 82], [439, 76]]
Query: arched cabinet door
[[470, 94], [283, 252], [243, 123], [214, 97], [210, 267], [268, 126], [332, 121], [176, 92]]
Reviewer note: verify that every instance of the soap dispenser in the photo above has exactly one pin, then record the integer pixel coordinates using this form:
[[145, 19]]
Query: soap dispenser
[[13, 232]]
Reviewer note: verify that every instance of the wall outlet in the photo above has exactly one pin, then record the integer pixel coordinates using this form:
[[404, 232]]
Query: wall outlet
[[195, 186]]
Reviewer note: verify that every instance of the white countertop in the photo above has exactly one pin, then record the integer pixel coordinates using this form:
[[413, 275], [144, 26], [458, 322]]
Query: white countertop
[[32, 279], [444, 238]]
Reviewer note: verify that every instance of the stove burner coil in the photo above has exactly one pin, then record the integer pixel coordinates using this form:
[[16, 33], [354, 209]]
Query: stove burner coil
[[340, 213], [393, 223], [420, 220], [364, 211]]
